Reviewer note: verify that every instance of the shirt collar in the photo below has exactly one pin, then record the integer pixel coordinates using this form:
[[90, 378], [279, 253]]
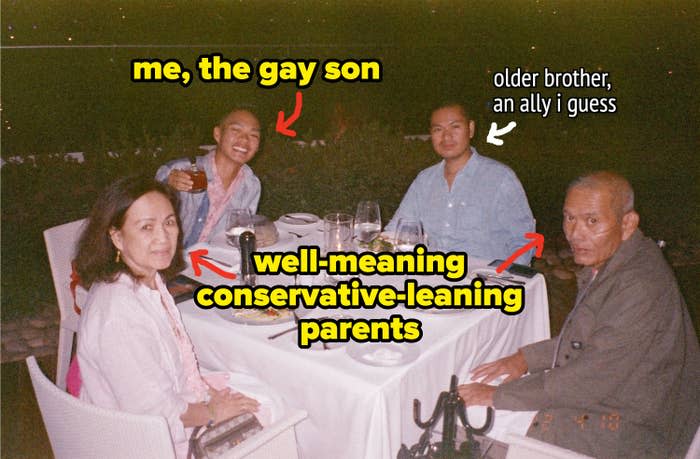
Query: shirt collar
[[626, 250], [469, 169]]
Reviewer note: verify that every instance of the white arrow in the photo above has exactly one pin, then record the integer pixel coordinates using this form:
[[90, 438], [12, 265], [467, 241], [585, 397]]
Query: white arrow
[[495, 132]]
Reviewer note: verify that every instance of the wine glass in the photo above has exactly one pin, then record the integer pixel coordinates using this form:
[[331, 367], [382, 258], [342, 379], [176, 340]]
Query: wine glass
[[408, 234], [368, 222], [239, 221]]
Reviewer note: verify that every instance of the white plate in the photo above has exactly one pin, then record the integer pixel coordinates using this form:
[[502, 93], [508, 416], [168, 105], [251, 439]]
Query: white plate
[[440, 311], [318, 345], [384, 354], [227, 255], [241, 316], [299, 222]]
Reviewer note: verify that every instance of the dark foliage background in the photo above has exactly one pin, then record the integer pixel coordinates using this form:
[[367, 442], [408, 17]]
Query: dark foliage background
[[65, 87]]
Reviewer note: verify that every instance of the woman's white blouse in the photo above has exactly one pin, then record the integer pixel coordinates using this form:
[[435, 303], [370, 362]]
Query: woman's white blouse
[[128, 355]]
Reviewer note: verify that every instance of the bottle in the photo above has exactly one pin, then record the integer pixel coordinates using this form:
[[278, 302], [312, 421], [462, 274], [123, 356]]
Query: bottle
[[246, 243]]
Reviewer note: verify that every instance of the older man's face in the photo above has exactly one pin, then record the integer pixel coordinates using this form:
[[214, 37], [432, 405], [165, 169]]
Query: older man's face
[[591, 225]]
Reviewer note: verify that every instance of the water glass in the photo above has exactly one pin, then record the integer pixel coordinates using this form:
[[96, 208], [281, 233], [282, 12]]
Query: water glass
[[239, 221], [337, 232], [409, 233], [368, 222]]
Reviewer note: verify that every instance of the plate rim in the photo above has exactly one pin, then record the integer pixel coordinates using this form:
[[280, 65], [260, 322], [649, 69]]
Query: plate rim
[[304, 214], [412, 353], [226, 315], [340, 345]]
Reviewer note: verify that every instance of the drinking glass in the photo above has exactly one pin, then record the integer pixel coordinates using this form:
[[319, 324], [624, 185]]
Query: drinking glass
[[239, 220], [408, 234], [337, 232], [337, 237], [368, 222], [199, 179]]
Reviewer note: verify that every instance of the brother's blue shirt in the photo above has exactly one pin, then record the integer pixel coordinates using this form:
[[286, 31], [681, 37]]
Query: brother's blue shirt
[[485, 214]]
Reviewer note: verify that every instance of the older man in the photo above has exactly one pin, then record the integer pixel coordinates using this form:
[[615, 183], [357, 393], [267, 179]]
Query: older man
[[231, 183], [621, 380], [466, 202]]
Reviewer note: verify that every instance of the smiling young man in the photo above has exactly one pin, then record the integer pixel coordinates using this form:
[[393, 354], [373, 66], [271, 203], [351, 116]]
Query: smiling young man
[[231, 183], [621, 379], [466, 202]]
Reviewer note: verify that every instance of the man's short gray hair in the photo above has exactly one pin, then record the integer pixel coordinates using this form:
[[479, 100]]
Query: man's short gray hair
[[618, 186]]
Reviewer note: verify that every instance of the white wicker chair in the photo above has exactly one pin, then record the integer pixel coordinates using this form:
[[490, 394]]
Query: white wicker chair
[[78, 429], [520, 447], [277, 441], [60, 246]]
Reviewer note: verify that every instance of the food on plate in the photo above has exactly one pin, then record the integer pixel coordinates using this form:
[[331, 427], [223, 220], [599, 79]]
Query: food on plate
[[381, 243], [263, 315]]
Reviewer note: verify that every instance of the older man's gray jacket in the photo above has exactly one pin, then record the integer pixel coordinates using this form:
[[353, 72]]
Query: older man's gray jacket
[[627, 377]]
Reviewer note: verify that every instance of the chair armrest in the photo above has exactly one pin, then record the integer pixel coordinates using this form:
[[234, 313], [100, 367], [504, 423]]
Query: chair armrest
[[281, 432]]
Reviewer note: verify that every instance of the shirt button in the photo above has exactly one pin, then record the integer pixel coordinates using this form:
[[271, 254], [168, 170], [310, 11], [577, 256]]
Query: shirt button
[[199, 220], [449, 205], [566, 356], [535, 424]]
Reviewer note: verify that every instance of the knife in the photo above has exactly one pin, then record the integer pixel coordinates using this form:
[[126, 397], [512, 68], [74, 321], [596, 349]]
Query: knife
[[499, 279], [222, 263]]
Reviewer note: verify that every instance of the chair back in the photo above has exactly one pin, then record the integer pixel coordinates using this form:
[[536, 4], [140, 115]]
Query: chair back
[[520, 447], [60, 245], [79, 429]]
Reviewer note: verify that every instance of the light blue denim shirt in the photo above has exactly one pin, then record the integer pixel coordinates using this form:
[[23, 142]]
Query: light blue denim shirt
[[194, 207], [485, 214]]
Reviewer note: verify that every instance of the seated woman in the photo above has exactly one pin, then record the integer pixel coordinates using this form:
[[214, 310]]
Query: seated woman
[[133, 351]]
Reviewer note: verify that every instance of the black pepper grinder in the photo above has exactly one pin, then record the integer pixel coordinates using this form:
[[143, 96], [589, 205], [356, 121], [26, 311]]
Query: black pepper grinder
[[247, 244]]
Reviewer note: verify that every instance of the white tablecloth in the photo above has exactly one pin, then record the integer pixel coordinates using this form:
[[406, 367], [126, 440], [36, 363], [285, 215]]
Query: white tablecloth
[[358, 411]]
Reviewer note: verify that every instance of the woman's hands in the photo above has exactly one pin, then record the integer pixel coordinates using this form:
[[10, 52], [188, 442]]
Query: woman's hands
[[225, 404]]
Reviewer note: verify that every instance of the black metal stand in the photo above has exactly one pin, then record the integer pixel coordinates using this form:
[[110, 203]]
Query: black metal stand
[[450, 406]]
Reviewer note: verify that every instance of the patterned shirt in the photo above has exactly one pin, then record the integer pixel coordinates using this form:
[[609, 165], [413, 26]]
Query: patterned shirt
[[194, 207]]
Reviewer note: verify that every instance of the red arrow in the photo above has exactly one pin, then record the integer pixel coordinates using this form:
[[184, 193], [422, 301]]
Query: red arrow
[[537, 241], [195, 258], [282, 125]]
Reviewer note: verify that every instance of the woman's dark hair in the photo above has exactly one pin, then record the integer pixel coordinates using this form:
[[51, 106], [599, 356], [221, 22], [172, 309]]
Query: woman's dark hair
[[96, 256]]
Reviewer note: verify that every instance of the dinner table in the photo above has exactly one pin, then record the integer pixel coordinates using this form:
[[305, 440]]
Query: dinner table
[[360, 407]]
